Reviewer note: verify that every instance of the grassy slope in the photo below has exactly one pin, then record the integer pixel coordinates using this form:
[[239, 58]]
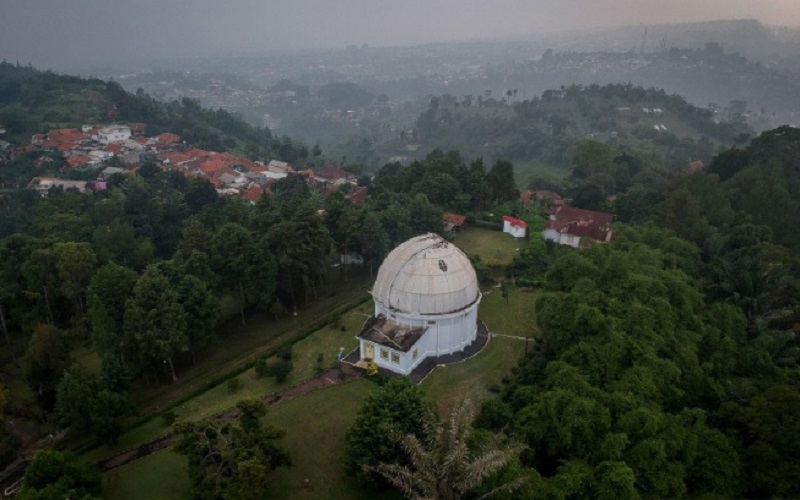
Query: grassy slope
[[161, 476]]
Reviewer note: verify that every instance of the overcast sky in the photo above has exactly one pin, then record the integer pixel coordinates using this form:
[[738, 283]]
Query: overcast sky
[[64, 33]]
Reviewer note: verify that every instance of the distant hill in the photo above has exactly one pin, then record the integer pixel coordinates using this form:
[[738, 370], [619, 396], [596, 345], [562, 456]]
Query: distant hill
[[542, 133]]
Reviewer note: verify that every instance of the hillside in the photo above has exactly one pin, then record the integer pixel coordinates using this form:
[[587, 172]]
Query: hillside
[[540, 134], [33, 101]]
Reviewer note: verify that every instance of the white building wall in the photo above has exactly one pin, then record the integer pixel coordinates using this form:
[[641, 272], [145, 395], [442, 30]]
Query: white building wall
[[446, 334], [562, 238], [515, 231]]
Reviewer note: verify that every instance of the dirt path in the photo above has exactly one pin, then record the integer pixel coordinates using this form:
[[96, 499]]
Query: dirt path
[[339, 374]]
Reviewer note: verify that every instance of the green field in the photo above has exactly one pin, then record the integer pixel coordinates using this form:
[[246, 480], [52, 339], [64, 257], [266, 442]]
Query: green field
[[160, 476], [494, 247]]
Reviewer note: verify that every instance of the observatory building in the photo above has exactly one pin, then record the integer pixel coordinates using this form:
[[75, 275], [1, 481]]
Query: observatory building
[[426, 305]]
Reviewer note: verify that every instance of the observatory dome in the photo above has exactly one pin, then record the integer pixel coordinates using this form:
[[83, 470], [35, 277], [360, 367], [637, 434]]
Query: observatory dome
[[426, 275]]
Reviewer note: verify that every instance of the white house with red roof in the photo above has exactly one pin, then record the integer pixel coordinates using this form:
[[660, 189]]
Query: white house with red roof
[[517, 228], [572, 226]]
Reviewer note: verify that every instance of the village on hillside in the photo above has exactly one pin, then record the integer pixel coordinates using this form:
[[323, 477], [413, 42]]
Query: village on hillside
[[120, 149]]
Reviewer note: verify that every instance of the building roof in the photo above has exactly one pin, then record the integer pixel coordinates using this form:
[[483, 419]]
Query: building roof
[[567, 213], [426, 275], [579, 222], [696, 165], [333, 173], [390, 333], [454, 219], [514, 221]]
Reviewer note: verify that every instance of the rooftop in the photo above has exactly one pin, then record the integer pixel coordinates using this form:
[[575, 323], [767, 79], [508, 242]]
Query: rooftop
[[390, 333]]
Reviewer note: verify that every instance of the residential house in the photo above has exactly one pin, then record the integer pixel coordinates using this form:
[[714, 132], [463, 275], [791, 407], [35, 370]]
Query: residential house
[[573, 226], [517, 228], [335, 176], [113, 133]]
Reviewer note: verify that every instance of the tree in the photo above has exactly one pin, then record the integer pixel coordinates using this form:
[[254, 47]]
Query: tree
[[442, 465], [54, 475], [232, 462], [591, 158], [154, 324], [86, 406], [109, 290], [397, 406], [500, 182], [46, 361]]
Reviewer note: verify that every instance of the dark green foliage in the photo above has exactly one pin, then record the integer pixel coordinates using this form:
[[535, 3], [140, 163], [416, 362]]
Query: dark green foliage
[[168, 417], [285, 353], [280, 369], [233, 461], [56, 475], [261, 367], [396, 407], [85, 405], [234, 384], [619, 397], [45, 362]]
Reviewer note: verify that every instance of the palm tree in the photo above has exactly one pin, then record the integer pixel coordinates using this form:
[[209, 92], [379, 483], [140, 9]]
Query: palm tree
[[442, 467]]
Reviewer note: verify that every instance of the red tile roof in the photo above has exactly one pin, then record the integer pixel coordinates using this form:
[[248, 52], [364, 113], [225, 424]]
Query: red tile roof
[[579, 222], [454, 219], [214, 167], [168, 138], [696, 165], [253, 193], [514, 221], [564, 212], [78, 161], [113, 148], [357, 196]]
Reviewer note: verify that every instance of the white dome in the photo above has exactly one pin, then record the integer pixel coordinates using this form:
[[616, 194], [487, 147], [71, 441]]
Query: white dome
[[426, 275]]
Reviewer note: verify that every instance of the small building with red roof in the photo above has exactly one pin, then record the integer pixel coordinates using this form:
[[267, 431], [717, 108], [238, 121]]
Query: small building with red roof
[[517, 228], [453, 222]]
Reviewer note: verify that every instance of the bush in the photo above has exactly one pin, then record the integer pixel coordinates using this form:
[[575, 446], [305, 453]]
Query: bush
[[281, 370], [261, 367], [168, 417], [234, 384], [320, 364], [285, 353]]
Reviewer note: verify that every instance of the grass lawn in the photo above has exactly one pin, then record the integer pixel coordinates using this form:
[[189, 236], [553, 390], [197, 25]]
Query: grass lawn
[[516, 317], [494, 247], [162, 475], [448, 385], [317, 447]]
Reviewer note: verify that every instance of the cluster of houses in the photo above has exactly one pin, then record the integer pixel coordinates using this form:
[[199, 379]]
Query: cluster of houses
[[94, 147]]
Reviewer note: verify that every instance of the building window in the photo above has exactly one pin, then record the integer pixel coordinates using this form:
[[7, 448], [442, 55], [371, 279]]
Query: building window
[[431, 322], [384, 354], [443, 265], [395, 358], [415, 354]]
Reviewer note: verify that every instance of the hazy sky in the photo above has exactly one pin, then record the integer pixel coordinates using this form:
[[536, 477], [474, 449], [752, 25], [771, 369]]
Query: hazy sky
[[62, 33]]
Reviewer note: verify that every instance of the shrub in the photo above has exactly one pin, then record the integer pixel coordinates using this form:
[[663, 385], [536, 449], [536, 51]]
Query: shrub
[[320, 363], [168, 417], [261, 367], [234, 384], [281, 370], [285, 353]]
